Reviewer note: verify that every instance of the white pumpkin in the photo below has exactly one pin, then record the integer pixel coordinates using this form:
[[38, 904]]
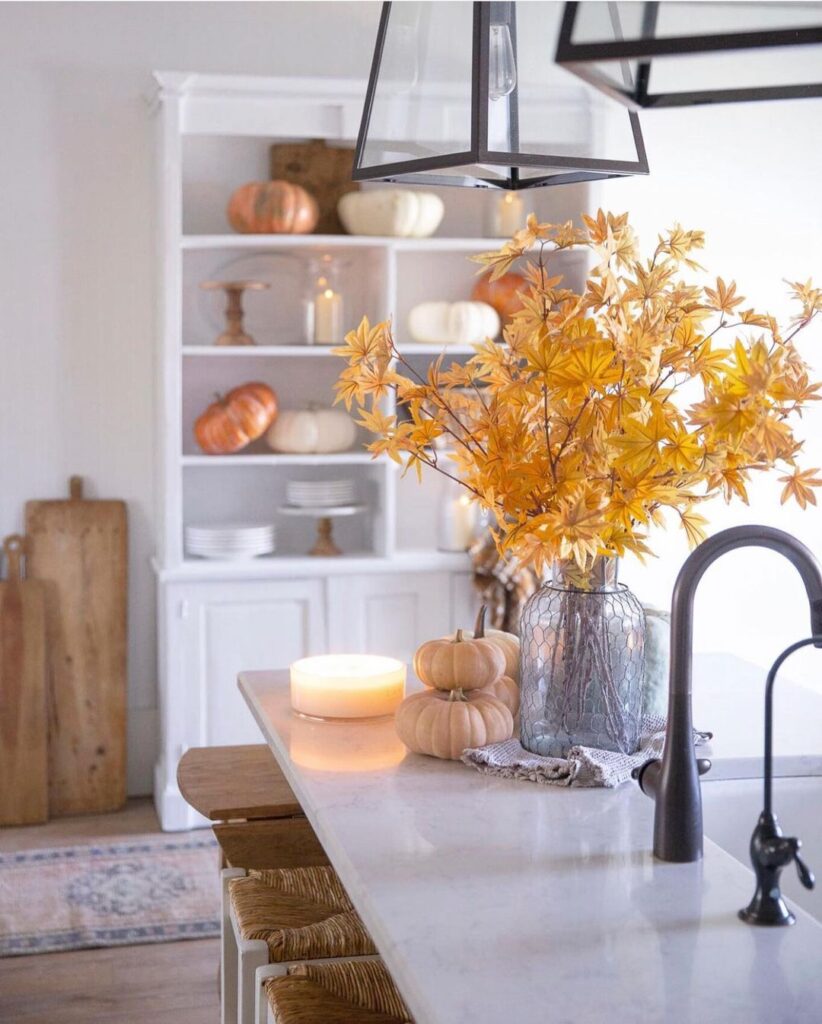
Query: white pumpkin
[[456, 323], [395, 212], [310, 431]]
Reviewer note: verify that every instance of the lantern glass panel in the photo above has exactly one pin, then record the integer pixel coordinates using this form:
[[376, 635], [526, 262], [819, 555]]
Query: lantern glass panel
[[691, 68], [557, 115], [422, 98], [469, 94]]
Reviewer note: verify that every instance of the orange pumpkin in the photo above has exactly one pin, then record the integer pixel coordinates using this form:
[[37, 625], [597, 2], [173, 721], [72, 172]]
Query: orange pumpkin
[[272, 208], [236, 419], [501, 294]]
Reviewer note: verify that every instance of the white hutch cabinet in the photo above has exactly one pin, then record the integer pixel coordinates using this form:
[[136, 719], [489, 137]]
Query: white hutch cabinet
[[392, 588]]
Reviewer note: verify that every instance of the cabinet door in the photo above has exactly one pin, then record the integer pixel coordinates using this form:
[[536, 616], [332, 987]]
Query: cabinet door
[[465, 601], [240, 627], [388, 614]]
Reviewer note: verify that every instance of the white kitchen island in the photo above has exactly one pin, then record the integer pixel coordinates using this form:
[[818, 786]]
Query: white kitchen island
[[502, 902]]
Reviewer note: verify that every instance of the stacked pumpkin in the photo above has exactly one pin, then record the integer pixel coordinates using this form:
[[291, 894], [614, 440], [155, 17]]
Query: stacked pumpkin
[[472, 695]]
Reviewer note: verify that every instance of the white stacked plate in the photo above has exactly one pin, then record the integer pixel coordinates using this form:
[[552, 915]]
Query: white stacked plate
[[232, 541], [313, 493]]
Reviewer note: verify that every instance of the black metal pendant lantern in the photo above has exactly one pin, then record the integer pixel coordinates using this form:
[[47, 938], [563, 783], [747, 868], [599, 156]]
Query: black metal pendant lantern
[[468, 94], [676, 54]]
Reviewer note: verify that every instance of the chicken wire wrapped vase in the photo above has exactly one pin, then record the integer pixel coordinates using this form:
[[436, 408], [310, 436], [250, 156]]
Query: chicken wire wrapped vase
[[582, 662]]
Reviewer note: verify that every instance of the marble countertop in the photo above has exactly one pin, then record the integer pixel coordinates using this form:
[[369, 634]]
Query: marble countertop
[[501, 902]]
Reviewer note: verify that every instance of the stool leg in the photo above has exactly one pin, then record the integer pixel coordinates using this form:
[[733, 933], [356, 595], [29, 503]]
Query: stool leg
[[252, 954], [228, 951], [262, 1011]]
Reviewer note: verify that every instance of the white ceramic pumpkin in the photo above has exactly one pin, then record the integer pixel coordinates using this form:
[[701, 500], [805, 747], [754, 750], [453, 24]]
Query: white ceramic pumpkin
[[310, 431], [394, 212], [458, 323], [444, 723]]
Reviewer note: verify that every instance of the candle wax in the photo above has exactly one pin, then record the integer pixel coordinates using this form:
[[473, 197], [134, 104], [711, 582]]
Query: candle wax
[[327, 317], [347, 685]]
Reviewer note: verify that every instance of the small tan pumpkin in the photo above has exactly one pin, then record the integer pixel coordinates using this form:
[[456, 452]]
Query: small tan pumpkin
[[508, 643], [458, 664], [443, 724], [506, 690], [272, 207]]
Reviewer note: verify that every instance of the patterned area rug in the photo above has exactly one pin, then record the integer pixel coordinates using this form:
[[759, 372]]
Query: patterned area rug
[[154, 888]]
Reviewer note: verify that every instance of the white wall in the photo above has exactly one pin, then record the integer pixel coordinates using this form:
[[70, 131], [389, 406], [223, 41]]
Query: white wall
[[76, 266], [750, 177]]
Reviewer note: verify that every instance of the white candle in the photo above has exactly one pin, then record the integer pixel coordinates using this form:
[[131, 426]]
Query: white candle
[[508, 215], [347, 685], [327, 317], [458, 521]]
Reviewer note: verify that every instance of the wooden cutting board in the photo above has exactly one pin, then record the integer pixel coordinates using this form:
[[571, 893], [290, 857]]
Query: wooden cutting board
[[23, 722], [79, 549]]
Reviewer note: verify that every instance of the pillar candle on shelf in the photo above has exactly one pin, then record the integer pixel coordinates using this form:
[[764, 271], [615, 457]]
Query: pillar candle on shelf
[[327, 317], [458, 520], [509, 215], [347, 685]]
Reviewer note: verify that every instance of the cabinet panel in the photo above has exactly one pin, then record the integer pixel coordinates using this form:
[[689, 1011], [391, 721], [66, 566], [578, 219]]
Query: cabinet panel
[[244, 627], [465, 601], [388, 614]]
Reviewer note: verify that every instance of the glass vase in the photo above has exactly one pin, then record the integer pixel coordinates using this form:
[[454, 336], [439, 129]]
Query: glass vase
[[582, 662]]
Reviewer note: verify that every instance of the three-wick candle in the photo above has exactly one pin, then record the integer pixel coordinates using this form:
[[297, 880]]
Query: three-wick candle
[[347, 685]]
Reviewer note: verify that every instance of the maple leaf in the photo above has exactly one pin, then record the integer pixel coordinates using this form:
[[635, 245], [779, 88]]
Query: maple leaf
[[366, 342], [682, 451], [773, 437], [500, 261], [640, 445], [723, 298], [591, 368], [694, 526], [799, 486], [748, 316], [377, 422], [678, 243]]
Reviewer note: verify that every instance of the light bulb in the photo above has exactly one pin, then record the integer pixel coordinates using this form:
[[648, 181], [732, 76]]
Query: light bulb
[[502, 68]]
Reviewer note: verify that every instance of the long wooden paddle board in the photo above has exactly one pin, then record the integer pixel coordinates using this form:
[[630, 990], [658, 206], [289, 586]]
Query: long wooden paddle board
[[23, 724], [79, 549]]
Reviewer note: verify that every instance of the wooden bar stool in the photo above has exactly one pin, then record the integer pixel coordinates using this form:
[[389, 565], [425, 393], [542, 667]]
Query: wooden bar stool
[[279, 918], [259, 825], [355, 992]]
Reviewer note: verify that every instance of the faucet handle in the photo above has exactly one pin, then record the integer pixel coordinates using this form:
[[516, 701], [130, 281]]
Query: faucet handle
[[806, 876]]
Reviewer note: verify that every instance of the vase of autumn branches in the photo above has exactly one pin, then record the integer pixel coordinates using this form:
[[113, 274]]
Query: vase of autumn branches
[[604, 412]]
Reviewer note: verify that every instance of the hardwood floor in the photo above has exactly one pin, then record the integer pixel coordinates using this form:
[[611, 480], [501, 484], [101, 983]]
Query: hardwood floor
[[161, 983]]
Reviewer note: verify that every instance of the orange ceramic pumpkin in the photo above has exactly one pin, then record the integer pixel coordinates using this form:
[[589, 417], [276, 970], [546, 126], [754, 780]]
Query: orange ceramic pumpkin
[[236, 419], [501, 294], [272, 208]]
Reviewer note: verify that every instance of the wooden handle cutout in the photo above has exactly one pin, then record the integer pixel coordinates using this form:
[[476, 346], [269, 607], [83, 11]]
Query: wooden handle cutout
[[14, 547], [76, 488]]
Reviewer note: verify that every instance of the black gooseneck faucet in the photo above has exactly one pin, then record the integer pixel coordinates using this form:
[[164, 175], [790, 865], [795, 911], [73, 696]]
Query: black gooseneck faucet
[[770, 850], [674, 781]]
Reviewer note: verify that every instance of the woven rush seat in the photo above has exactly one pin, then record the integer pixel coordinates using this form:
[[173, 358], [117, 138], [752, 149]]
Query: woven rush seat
[[300, 913], [345, 993]]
